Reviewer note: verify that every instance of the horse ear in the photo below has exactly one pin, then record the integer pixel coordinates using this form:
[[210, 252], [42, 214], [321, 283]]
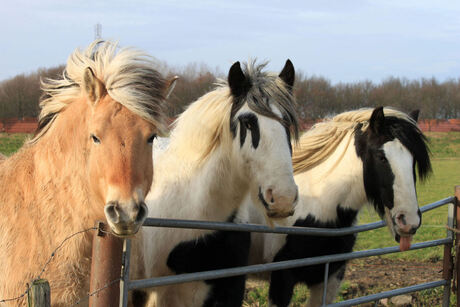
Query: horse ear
[[171, 85], [94, 88], [288, 73], [237, 81], [377, 121], [414, 114]]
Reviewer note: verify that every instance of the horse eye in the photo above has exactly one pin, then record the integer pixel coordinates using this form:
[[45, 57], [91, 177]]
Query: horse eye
[[383, 159], [95, 139], [248, 125], [150, 140]]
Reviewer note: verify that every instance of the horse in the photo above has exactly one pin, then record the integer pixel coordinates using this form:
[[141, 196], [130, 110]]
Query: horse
[[233, 141], [357, 157], [90, 160]]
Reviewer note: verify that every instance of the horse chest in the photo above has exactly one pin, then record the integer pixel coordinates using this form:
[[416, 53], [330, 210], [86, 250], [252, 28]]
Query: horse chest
[[297, 246], [217, 250]]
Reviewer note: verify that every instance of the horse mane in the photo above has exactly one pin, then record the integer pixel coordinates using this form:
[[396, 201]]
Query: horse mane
[[318, 143], [206, 123], [127, 74]]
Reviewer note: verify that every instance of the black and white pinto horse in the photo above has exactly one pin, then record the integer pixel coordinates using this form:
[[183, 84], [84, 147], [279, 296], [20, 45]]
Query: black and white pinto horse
[[358, 157], [231, 142]]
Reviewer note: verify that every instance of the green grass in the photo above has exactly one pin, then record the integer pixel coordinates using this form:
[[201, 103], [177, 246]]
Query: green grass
[[10, 143]]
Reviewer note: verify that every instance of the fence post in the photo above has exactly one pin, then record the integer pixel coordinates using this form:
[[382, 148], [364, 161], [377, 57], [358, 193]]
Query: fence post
[[457, 241], [105, 268], [39, 294]]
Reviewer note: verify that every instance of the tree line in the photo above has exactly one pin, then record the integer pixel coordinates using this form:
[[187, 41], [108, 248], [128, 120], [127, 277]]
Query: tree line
[[316, 96]]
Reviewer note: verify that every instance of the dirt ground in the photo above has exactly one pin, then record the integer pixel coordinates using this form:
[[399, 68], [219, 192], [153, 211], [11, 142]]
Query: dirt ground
[[372, 275]]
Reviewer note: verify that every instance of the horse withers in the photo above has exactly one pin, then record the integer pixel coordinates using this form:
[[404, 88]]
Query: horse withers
[[232, 141], [357, 157], [91, 159]]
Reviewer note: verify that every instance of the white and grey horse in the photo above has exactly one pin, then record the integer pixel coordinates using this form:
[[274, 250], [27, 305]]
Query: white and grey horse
[[357, 157], [231, 142]]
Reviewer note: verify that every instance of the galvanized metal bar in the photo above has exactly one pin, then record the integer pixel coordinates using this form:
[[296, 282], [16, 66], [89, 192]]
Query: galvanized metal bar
[[288, 264], [124, 282], [326, 275], [378, 296], [331, 232]]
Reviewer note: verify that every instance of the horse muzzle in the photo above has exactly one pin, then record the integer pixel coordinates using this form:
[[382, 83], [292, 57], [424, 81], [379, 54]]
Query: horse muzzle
[[277, 205], [125, 219]]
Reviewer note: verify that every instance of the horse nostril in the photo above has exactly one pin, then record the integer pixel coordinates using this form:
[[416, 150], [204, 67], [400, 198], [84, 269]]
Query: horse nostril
[[142, 213], [269, 195], [402, 218], [111, 211], [413, 230]]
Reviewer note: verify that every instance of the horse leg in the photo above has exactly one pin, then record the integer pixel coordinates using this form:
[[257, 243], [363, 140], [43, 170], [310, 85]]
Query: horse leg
[[226, 292], [333, 284], [282, 284]]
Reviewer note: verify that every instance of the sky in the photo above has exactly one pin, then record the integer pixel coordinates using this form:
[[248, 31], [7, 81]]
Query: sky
[[343, 41]]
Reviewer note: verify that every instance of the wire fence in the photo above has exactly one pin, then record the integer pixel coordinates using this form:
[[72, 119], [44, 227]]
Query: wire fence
[[28, 286]]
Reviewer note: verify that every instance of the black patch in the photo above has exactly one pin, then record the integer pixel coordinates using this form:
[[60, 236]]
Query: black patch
[[378, 177], [249, 121], [139, 297], [297, 246], [217, 250]]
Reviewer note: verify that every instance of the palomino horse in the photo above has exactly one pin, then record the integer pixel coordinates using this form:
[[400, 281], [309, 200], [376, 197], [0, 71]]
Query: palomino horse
[[233, 141], [357, 157], [92, 155]]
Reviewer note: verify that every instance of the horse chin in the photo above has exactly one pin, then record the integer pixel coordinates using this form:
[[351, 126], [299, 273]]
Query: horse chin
[[125, 231], [279, 215]]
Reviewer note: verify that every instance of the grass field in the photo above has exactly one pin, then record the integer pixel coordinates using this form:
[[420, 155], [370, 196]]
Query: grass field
[[445, 148]]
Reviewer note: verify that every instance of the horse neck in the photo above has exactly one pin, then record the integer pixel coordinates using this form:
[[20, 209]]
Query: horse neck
[[211, 189], [338, 180]]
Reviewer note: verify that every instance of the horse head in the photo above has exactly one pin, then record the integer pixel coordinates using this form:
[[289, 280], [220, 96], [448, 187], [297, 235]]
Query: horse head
[[391, 148], [261, 121]]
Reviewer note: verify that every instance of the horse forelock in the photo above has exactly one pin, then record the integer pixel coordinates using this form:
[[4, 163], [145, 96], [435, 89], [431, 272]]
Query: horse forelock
[[267, 90], [318, 143], [127, 74]]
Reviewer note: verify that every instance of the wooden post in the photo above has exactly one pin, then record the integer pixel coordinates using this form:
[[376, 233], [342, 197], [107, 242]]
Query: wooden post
[[105, 268], [39, 294], [457, 241]]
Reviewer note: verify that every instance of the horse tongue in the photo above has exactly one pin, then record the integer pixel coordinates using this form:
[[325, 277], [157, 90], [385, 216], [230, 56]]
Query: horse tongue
[[404, 243]]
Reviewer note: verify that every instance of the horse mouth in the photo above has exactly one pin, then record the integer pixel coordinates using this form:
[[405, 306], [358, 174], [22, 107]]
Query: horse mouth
[[124, 231], [279, 215]]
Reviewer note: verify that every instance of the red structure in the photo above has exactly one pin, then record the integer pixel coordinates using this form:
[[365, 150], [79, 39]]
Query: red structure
[[29, 125]]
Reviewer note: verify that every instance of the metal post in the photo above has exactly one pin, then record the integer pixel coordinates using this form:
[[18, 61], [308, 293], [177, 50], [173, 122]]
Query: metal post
[[447, 265], [457, 241], [105, 268], [326, 275], [125, 273]]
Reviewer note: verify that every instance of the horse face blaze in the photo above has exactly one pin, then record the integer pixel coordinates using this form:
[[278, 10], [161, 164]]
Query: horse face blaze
[[121, 167], [265, 149], [405, 214]]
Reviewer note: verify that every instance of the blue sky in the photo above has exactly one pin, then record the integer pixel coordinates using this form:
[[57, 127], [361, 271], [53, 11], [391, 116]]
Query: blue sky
[[343, 41]]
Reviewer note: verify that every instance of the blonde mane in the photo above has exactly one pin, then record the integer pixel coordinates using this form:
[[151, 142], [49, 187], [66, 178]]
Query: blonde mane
[[318, 143], [201, 128], [128, 75]]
